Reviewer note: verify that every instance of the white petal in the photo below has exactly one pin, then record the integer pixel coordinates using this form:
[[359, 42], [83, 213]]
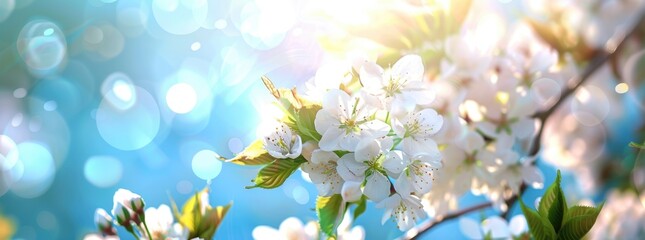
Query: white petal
[[418, 146], [325, 120], [265, 233], [321, 157], [518, 225], [371, 75], [497, 226], [395, 162], [377, 187], [296, 149], [473, 141], [409, 67], [398, 127], [349, 142], [470, 228], [335, 102], [330, 139], [367, 150], [351, 170], [523, 128], [376, 128], [292, 228], [430, 121]]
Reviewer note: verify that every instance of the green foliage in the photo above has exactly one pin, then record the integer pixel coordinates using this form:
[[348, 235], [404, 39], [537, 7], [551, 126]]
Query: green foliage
[[275, 173], [553, 205], [554, 220], [254, 154], [302, 121], [361, 205], [199, 217], [330, 212], [637, 146]]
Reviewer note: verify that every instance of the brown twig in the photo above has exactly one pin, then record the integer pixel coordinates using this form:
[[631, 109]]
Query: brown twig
[[534, 149]]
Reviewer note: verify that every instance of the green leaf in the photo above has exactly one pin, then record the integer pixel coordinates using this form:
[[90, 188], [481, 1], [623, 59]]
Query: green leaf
[[330, 213], [579, 223], [191, 212], [275, 173], [540, 227], [254, 154], [553, 205], [360, 207], [578, 211], [305, 126]]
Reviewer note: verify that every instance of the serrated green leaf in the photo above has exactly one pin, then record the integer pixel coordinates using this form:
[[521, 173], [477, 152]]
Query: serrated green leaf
[[577, 226], [578, 211], [360, 207], [275, 173], [539, 226], [330, 213], [302, 121], [254, 154], [553, 205]]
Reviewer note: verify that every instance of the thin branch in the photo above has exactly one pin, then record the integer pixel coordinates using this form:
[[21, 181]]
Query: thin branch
[[596, 63]]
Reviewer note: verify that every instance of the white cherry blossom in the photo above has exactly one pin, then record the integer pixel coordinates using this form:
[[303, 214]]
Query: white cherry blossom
[[282, 142], [416, 130], [405, 209], [497, 227], [344, 121], [401, 88], [322, 172], [366, 164]]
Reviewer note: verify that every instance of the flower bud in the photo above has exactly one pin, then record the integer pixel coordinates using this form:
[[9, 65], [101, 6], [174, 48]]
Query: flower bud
[[123, 214], [351, 191], [308, 148], [130, 200], [104, 222]]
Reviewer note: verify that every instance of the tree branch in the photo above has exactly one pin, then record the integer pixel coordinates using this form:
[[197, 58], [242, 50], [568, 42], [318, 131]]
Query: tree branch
[[597, 62]]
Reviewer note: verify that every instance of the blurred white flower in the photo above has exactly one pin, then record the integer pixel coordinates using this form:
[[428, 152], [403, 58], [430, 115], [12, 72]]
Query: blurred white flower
[[344, 121], [160, 222], [328, 76], [282, 142], [95, 236], [290, 229], [128, 199], [622, 217], [123, 214], [104, 222], [322, 172], [416, 128], [497, 227], [401, 88]]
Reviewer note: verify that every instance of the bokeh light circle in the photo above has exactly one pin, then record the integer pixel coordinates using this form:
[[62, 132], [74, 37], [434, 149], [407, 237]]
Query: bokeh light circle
[[38, 170], [103, 171], [546, 91], [132, 128], [118, 90], [301, 195], [235, 145], [42, 46], [206, 164], [8, 154], [6, 7], [590, 105], [103, 41], [180, 17], [181, 98]]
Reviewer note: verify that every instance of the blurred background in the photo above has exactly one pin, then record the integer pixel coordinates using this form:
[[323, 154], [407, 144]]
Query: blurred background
[[97, 95]]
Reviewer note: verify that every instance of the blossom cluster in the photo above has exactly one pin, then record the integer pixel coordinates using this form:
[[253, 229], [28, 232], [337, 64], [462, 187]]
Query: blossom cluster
[[198, 221]]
